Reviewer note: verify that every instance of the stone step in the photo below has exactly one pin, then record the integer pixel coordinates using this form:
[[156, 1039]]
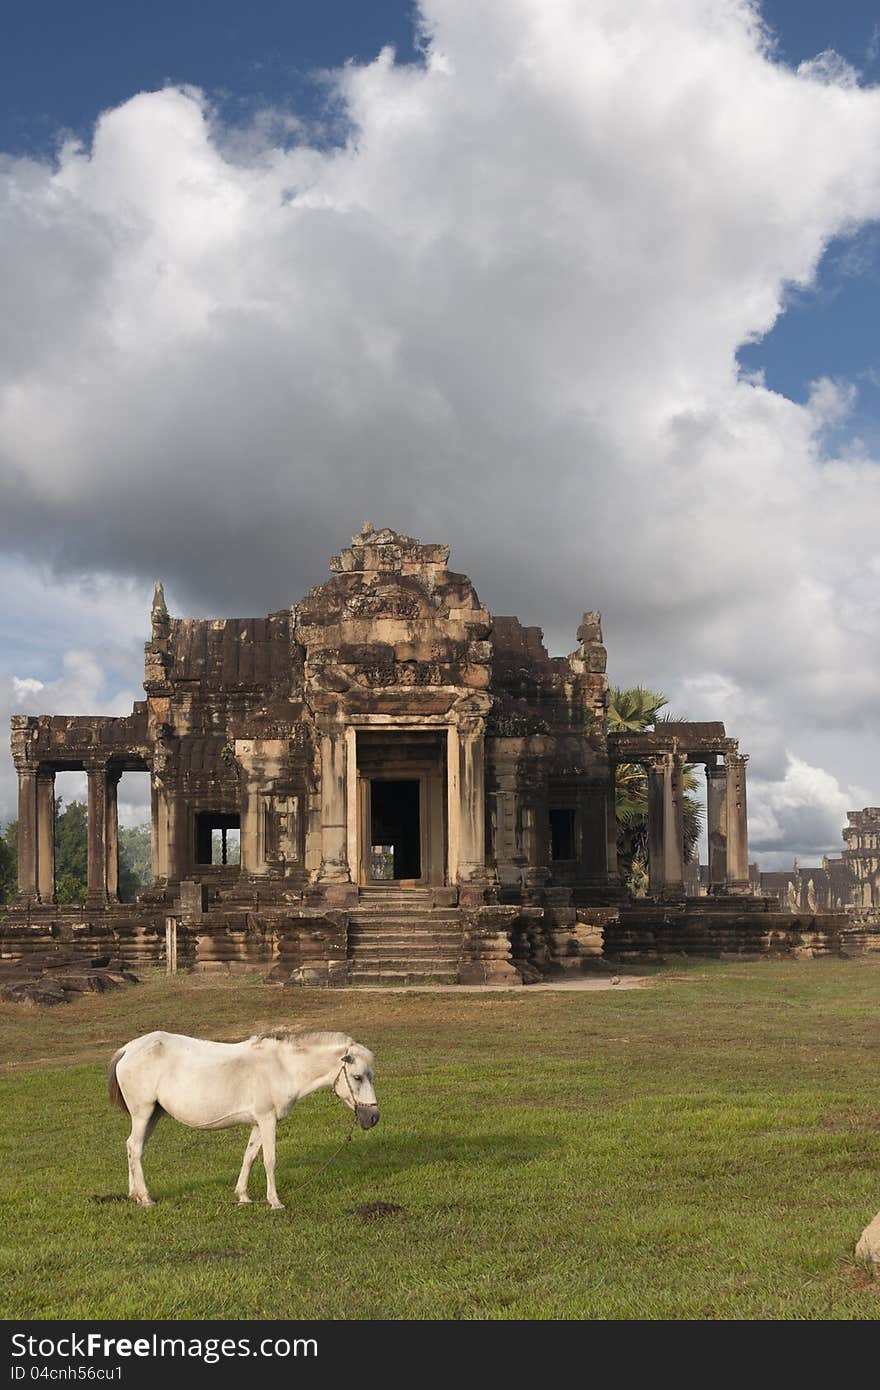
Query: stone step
[[394, 905], [408, 938], [403, 925], [400, 965], [380, 915], [403, 977], [380, 890], [405, 950], [404, 931]]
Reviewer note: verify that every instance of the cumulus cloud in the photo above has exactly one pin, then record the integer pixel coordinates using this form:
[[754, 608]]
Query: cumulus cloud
[[504, 313], [830, 67], [82, 686], [802, 815], [100, 675]]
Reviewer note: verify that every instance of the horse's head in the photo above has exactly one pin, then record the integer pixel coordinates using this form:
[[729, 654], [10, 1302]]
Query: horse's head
[[354, 1084]]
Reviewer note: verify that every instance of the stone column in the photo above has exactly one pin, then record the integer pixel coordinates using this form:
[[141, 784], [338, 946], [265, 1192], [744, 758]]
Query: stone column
[[155, 861], [656, 773], [737, 824], [673, 832], [27, 834], [111, 835], [611, 828], [334, 815], [96, 891], [46, 836], [666, 826], [178, 854], [716, 825], [352, 836], [472, 803], [453, 805]]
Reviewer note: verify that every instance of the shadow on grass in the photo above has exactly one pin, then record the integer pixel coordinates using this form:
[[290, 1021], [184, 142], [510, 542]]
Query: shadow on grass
[[490, 1152]]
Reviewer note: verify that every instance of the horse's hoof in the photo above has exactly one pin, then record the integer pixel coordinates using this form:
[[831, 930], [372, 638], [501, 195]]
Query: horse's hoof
[[277, 1206], [143, 1201], [244, 1201]]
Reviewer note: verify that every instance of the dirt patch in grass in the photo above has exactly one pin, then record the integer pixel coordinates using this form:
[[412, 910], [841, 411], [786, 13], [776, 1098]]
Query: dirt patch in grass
[[372, 1211]]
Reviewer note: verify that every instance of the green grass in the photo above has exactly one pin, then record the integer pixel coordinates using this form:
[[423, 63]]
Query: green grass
[[707, 1147]]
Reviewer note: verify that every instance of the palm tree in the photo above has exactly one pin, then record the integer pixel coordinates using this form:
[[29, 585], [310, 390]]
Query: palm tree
[[633, 711]]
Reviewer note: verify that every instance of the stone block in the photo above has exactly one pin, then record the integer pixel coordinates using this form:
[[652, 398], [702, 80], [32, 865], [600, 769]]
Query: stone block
[[193, 898]]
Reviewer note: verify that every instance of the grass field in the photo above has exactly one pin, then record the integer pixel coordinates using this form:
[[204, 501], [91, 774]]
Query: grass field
[[707, 1147]]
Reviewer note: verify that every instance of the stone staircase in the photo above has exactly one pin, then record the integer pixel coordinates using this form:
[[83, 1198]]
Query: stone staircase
[[397, 937]]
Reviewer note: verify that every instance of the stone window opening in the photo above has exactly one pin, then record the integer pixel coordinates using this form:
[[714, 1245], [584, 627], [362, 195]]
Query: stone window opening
[[218, 839], [563, 833]]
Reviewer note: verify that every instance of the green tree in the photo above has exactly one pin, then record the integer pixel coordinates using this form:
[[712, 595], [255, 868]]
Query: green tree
[[135, 862], [633, 711], [9, 862], [71, 856], [71, 851]]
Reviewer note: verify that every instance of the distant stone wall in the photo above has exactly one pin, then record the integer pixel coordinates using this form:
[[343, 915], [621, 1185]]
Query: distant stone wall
[[652, 932], [496, 944]]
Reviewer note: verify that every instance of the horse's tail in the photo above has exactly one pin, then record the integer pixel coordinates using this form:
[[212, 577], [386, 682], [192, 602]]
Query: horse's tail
[[116, 1096]]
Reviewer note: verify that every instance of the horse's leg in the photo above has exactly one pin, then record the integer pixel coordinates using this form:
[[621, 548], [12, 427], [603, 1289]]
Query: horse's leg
[[267, 1137], [143, 1122], [250, 1153]]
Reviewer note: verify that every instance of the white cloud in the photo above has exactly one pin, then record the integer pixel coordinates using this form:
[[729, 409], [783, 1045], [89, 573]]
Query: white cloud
[[505, 314], [802, 814], [830, 68], [23, 689], [100, 675]]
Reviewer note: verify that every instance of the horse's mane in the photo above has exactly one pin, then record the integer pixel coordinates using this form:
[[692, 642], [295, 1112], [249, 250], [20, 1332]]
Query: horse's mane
[[303, 1041]]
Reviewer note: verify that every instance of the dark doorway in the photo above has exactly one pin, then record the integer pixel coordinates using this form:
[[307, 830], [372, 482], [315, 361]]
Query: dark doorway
[[562, 834], [395, 830]]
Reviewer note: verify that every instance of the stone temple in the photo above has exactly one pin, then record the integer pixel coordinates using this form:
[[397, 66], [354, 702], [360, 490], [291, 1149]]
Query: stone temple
[[415, 788]]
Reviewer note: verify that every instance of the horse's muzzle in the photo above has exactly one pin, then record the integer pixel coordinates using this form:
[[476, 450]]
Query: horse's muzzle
[[368, 1115]]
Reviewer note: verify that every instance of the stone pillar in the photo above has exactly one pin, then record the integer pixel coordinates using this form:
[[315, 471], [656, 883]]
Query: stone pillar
[[534, 838], [45, 838], [154, 831], [453, 805], [737, 825], [716, 825], [334, 814], [177, 836], [656, 773], [351, 805], [508, 858], [611, 828], [27, 834], [673, 835], [111, 835], [159, 830], [96, 892], [472, 803], [252, 847], [666, 826]]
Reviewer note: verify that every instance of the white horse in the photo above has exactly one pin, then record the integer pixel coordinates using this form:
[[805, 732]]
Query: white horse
[[212, 1085]]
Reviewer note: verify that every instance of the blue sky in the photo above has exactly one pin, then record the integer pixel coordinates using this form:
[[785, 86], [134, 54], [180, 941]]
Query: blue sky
[[494, 321], [61, 64]]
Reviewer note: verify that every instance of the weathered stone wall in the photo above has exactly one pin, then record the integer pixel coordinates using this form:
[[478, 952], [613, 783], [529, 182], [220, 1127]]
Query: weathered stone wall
[[72, 934], [656, 931]]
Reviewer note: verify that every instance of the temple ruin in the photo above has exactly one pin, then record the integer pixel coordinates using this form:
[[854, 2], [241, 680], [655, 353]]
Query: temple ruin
[[848, 883], [417, 788]]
